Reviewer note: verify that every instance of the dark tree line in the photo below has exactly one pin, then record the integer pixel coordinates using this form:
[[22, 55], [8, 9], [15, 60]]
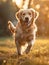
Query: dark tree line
[[8, 10]]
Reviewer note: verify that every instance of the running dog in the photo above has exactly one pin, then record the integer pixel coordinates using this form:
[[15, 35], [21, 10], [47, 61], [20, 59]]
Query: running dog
[[25, 29]]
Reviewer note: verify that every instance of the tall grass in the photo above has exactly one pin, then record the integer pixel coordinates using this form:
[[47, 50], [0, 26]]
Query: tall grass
[[39, 55]]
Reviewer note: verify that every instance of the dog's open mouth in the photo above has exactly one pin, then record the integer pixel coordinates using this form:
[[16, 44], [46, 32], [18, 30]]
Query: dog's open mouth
[[27, 23], [26, 20]]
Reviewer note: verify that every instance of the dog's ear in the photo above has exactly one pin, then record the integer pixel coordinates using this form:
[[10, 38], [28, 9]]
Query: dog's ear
[[18, 14], [35, 13]]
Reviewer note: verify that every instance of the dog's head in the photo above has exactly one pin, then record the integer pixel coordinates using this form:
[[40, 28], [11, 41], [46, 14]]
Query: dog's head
[[27, 16]]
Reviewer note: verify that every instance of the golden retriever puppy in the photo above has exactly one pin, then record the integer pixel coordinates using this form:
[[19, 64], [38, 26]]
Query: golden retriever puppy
[[25, 29]]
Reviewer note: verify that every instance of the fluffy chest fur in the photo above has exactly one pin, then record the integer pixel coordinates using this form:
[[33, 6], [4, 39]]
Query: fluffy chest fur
[[23, 35]]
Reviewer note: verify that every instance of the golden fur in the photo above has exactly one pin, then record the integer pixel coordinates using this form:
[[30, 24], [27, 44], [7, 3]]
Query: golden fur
[[25, 29]]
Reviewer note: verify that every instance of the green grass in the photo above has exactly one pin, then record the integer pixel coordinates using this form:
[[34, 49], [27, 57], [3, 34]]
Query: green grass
[[39, 55]]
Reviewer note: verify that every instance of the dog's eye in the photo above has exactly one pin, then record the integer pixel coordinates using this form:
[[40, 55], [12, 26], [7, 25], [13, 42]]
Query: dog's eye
[[23, 13], [29, 13]]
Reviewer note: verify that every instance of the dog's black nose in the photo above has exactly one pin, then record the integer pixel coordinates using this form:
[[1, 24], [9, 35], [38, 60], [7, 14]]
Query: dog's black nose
[[26, 18]]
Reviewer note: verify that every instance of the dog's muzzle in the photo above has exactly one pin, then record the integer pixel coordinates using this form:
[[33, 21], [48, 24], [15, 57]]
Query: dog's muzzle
[[26, 19]]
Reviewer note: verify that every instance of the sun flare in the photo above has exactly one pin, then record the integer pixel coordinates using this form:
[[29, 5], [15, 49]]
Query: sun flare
[[18, 2]]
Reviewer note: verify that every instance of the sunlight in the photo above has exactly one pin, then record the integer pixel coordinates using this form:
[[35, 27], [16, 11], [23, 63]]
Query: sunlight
[[38, 6], [22, 3], [4, 0], [18, 2]]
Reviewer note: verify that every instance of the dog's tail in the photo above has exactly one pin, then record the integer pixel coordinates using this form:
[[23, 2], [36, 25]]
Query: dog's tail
[[11, 27]]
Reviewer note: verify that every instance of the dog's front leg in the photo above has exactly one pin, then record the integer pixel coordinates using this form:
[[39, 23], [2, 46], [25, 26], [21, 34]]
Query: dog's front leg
[[30, 44], [28, 48], [18, 48]]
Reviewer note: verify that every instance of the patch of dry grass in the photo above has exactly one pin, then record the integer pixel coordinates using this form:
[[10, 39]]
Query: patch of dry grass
[[39, 55]]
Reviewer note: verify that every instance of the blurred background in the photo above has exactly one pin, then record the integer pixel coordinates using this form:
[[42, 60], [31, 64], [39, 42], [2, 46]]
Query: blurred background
[[40, 50], [8, 8]]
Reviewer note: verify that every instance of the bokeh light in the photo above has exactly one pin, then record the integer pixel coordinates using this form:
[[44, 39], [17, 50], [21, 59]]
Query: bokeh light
[[46, 8], [37, 6], [48, 15], [18, 2]]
